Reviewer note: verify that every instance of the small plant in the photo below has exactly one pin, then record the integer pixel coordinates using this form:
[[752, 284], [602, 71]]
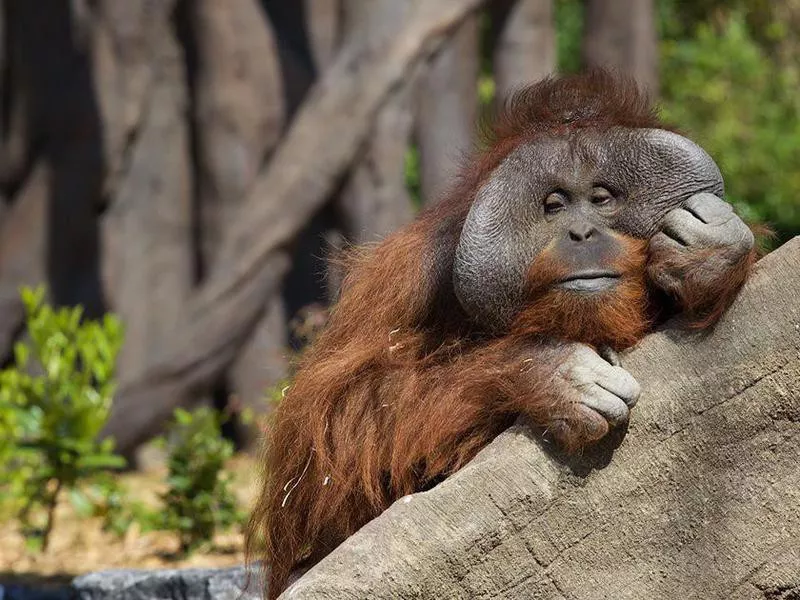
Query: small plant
[[54, 401], [106, 498], [199, 500]]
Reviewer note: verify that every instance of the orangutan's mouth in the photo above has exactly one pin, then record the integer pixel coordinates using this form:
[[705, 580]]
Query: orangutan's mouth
[[590, 281]]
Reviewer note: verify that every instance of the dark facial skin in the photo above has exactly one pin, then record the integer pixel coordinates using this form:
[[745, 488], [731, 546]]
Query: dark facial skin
[[584, 244], [572, 192]]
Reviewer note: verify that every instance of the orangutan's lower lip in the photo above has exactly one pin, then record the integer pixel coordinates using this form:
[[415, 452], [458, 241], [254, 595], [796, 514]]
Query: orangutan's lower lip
[[590, 281]]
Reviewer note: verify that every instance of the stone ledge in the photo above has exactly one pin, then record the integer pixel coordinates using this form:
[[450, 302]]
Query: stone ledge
[[142, 584]]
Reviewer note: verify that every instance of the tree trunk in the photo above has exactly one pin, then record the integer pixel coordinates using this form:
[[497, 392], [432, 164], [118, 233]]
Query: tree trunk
[[447, 110], [148, 227], [621, 34], [50, 234], [15, 103], [524, 43], [324, 138], [124, 42], [23, 246], [324, 18], [66, 121], [238, 120], [700, 500], [374, 200], [239, 113]]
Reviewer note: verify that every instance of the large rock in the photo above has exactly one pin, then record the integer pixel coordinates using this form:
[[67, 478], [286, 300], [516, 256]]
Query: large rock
[[701, 499], [168, 584], [235, 583]]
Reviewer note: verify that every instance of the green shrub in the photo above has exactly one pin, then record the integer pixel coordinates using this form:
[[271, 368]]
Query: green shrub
[[199, 500], [54, 401]]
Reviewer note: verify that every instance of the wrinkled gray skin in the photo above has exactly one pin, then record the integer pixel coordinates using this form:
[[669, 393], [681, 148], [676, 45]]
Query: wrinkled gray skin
[[665, 188], [704, 221], [602, 385]]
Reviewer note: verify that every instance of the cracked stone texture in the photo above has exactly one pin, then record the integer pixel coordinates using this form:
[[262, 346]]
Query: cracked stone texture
[[701, 500]]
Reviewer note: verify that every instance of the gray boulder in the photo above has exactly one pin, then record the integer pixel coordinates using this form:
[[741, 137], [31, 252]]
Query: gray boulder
[[169, 584]]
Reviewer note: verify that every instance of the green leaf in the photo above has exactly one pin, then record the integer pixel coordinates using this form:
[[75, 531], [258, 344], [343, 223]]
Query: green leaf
[[50, 417], [81, 502], [21, 355]]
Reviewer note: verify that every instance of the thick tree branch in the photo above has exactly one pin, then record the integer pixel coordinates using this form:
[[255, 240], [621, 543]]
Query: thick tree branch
[[322, 142], [239, 118], [699, 501]]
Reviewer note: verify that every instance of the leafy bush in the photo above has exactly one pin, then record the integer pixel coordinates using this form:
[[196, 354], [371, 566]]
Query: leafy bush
[[54, 401], [199, 500]]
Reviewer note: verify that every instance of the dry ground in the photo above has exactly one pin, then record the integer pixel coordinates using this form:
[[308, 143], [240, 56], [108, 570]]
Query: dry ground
[[78, 545]]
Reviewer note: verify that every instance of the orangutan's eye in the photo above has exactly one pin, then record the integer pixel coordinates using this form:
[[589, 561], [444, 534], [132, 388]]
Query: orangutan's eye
[[601, 196], [555, 202]]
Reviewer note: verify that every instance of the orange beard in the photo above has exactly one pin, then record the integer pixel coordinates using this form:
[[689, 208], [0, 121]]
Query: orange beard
[[616, 317]]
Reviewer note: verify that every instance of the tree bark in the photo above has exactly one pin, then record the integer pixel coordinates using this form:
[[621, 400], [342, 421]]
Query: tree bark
[[239, 113], [50, 235], [15, 154], [621, 34], [447, 110], [239, 118], [324, 18], [125, 40], [374, 200], [66, 122], [3, 108], [15, 150], [324, 138], [700, 500], [23, 247], [524, 43], [148, 228]]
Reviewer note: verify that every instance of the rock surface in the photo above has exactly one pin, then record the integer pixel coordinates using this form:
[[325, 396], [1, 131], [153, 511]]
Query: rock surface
[[168, 584], [142, 584], [700, 501]]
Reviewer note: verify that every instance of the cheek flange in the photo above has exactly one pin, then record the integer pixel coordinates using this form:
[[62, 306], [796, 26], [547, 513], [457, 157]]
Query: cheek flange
[[661, 170], [489, 269]]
